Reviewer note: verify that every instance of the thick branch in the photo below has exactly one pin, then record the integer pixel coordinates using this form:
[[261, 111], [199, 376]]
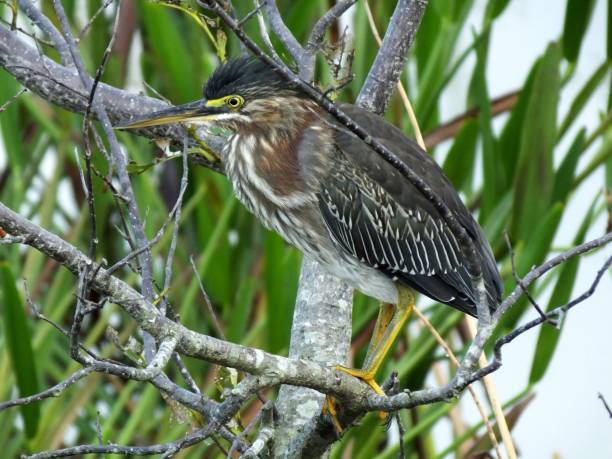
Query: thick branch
[[281, 30], [43, 23], [59, 85], [391, 57], [356, 395]]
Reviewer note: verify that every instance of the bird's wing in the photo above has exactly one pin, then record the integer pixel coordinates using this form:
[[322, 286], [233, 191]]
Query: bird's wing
[[376, 215]]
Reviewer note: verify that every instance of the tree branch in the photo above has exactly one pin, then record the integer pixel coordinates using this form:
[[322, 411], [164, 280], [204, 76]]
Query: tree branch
[[355, 394], [60, 86], [389, 62], [317, 34], [281, 30]]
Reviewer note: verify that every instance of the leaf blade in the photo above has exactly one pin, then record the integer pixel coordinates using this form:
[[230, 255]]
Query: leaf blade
[[19, 345]]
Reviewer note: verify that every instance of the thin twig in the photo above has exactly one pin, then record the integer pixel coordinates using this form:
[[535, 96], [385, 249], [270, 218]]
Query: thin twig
[[519, 281], [453, 358], [12, 99], [249, 15], [605, 404], [91, 20], [54, 391], [177, 220], [207, 302], [317, 34], [46, 26], [33, 36], [555, 313]]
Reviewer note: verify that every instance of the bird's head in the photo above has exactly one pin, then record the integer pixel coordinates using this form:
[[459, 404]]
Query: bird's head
[[243, 93]]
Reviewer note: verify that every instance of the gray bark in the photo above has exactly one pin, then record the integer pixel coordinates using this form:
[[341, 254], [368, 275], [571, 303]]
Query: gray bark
[[321, 332], [299, 434]]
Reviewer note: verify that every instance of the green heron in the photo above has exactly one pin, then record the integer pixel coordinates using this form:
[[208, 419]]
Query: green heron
[[307, 177]]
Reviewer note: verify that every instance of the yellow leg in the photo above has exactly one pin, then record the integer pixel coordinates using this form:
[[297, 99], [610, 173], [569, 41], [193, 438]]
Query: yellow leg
[[385, 315], [391, 320]]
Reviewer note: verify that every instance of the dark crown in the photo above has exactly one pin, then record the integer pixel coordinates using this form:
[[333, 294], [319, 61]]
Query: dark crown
[[248, 77]]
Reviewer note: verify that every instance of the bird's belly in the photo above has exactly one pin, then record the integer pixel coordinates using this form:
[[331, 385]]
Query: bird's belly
[[313, 240], [303, 227], [368, 280]]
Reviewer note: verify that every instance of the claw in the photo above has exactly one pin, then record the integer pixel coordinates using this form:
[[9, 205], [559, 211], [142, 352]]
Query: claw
[[330, 408], [368, 378]]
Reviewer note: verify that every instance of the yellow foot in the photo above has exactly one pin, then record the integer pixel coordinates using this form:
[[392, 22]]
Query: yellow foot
[[368, 378], [330, 408]]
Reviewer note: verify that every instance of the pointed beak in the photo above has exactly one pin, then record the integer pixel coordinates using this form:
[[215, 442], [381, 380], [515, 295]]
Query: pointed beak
[[198, 110]]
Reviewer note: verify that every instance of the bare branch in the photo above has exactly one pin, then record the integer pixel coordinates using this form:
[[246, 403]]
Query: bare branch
[[390, 59], [59, 85], [317, 34], [44, 24], [519, 281], [605, 404], [263, 31], [12, 99], [281, 30], [356, 394], [164, 448], [54, 391]]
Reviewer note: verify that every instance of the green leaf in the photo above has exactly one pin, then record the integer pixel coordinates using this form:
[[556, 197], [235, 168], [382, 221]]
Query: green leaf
[[492, 171], [533, 183], [583, 96], [577, 16], [19, 345], [281, 271], [459, 163], [608, 178], [496, 7], [549, 335], [170, 51], [510, 138], [609, 38], [564, 177], [12, 131], [238, 320], [534, 250]]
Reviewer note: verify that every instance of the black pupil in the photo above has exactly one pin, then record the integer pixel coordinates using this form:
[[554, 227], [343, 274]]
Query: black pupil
[[233, 101]]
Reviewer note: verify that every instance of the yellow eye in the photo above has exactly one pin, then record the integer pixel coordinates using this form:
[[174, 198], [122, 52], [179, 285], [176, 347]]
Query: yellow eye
[[234, 101]]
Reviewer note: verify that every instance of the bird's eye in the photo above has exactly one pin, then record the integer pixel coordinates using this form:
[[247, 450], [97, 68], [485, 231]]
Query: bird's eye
[[234, 101]]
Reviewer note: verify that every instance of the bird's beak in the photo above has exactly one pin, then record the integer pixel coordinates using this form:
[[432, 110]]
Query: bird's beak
[[200, 110]]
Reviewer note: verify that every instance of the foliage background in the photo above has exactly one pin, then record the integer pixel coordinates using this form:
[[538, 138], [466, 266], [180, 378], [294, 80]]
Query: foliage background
[[250, 274]]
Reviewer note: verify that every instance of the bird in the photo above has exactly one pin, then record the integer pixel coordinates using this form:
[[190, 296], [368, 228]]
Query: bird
[[325, 191]]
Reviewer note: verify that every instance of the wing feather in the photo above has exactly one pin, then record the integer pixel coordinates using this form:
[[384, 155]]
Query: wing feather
[[378, 217]]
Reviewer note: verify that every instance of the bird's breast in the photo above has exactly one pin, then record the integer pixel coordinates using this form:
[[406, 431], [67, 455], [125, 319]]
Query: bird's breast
[[294, 216]]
